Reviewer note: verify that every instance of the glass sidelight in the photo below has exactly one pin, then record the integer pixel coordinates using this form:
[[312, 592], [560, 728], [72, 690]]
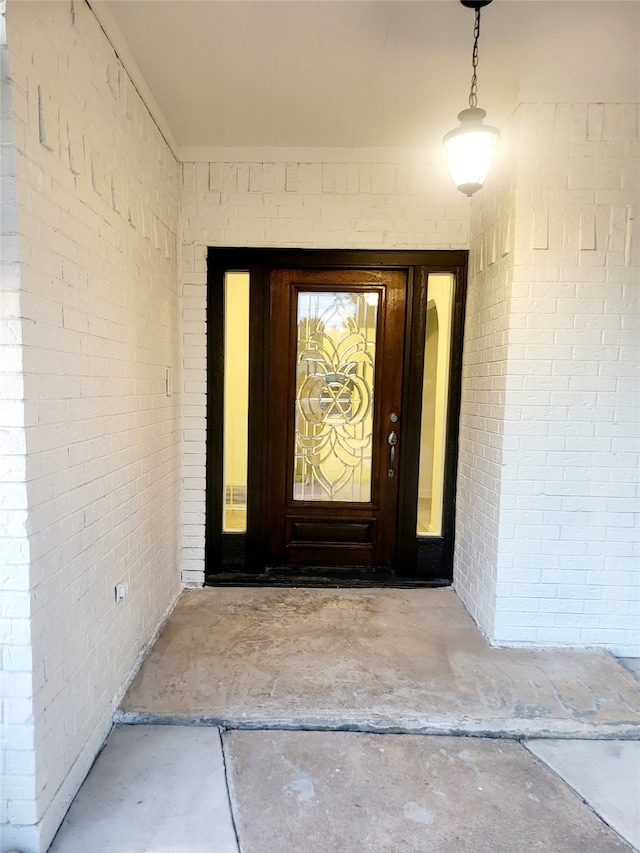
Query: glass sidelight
[[435, 399], [335, 372], [236, 401]]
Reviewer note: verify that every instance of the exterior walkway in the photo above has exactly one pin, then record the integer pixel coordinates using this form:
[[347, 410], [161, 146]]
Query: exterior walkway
[[175, 789], [361, 721]]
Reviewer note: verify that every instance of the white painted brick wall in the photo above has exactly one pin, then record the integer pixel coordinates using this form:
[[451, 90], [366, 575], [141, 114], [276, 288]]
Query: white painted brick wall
[[549, 557], [17, 768], [570, 543], [317, 203], [485, 382], [97, 218]]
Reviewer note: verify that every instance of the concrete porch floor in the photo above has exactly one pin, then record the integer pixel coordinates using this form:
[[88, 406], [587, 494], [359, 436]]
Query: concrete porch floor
[[396, 660], [273, 665]]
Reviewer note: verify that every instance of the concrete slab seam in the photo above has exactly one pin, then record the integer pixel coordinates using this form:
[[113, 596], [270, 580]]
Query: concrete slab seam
[[225, 764], [542, 763], [226, 760], [509, 729]]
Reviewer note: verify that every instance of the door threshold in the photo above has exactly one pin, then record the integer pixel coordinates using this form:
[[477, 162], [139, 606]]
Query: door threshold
[[336, 577]]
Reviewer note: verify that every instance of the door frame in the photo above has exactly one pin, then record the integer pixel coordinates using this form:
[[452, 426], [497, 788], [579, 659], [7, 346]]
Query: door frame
[[237, 558]]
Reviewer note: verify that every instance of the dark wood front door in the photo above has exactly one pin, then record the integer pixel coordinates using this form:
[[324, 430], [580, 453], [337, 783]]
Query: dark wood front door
[[334, 360], [334, 416]]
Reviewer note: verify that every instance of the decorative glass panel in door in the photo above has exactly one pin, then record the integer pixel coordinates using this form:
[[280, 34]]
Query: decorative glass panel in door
[[334, 403]]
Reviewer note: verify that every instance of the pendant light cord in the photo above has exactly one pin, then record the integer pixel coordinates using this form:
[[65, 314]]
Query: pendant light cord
[[473, 94]]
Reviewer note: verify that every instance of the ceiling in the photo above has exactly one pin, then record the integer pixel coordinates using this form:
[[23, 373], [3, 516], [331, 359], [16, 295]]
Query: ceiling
[[361, 73]]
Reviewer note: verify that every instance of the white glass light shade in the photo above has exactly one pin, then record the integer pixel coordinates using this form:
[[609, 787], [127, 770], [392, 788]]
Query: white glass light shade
[[470, 150]]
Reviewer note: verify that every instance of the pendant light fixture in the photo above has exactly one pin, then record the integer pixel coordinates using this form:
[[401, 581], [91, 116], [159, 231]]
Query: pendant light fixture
[[472, 146]]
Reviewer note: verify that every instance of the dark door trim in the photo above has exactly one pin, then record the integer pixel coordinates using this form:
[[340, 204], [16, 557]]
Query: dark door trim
[[236, 558]]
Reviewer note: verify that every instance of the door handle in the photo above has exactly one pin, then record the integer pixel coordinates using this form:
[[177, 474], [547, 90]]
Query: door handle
[[392, 440]]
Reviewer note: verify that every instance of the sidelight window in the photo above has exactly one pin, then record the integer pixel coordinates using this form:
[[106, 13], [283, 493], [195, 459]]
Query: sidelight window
[[435, 400], [236, 401]]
